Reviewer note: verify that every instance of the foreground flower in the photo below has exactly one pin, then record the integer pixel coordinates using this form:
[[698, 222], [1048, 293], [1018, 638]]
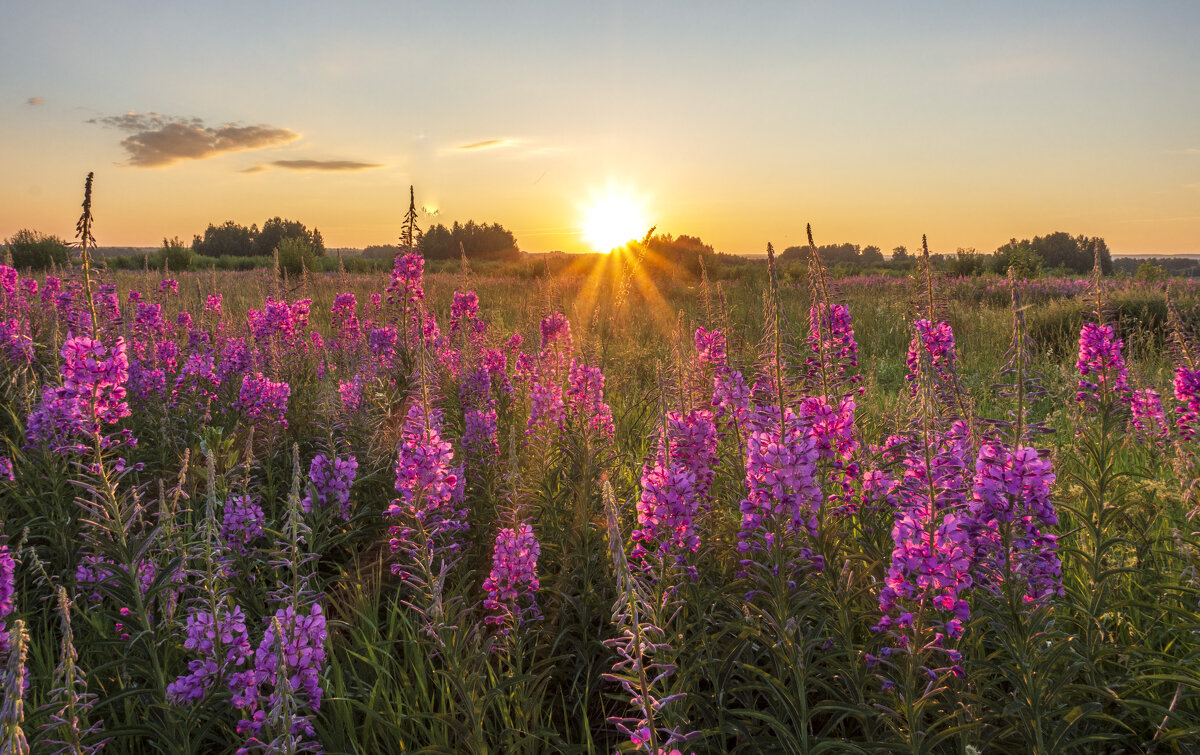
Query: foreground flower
[[330, 480], [1103, 376], [512, 585]]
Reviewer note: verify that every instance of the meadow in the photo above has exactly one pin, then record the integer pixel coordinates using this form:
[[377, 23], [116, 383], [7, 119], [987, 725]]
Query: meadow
[[608, 508]]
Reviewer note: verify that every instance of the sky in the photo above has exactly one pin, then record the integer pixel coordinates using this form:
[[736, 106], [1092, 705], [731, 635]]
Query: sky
[[739, 123]]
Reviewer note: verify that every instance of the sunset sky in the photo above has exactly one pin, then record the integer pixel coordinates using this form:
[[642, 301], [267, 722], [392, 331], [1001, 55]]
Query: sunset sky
[[736, 122]]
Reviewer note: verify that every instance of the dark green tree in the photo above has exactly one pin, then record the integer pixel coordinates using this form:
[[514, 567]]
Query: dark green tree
[[228, 240], [277, 229]]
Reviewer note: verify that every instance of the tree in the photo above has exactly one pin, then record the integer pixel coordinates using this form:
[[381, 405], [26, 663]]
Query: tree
[[872, 255], [228, 240], [900, 256], [277, 229], [36, 251], [479, 241]]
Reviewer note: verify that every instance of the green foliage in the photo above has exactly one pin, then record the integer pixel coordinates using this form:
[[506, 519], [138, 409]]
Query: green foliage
[[175, 256], [1021, 258], [1149, 272], [276, 230], [480, 241], [228, 240], [36, 251], [295, 255]]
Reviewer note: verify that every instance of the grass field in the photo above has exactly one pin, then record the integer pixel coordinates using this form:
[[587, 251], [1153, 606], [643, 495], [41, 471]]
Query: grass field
[[753, 515]]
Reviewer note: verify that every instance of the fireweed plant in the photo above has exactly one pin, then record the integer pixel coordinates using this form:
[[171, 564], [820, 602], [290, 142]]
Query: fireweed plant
[[369, 513]]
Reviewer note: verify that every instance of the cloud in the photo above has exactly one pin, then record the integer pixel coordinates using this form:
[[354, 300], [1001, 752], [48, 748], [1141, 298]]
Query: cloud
[[155, 140], [331, 165], [35, 101], [489, 144], [1192, 151], [253, 169]]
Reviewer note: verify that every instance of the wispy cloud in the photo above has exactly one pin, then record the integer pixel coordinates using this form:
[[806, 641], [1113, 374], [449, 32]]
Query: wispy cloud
[[488, 144], [1192, 151], [330, 165], [157, 141], [35, 101]]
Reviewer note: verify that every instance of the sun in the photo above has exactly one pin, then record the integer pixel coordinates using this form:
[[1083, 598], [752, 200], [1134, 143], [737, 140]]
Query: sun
[[613, 219]]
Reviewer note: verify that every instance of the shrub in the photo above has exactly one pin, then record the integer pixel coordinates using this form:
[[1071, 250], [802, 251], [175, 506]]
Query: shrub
[[295, 255], [36, 251]]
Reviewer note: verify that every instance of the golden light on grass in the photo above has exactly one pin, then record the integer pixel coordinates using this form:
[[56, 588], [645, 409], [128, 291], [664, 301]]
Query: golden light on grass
[[613, 219]]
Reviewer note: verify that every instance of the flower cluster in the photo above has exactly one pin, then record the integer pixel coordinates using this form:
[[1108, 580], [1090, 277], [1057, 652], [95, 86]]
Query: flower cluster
[[1187, 391], [6, 469], [241, 523], [1147, 417], [92, 395], [512, 585], [8, 570], [429, 509], [264, 399], [585, 400], [1010, 511], [329, 483], [782, 495], [1103, 375], [208, 638], [934, 342], [832, 348], [301, 644]]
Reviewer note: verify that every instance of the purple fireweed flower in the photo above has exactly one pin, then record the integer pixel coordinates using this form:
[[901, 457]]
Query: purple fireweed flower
[[183, 322], [1010, 509], [236, 358], [345, 320], [512, 585], [782, 497], [8, 569], [203, 637], [1187, 391], [279, 321], [8, 282], [832, 427], [6, 469], [241, 523], [169, 286], [263, 399], [1147, 417], [429, 510], [381, 342], [675, 487], [134, 297], [16, 344], [329, 483], [464, 317], [148, 321], [585, 400], [832, 347], [1102, 372], [212, 303], [301, 643]]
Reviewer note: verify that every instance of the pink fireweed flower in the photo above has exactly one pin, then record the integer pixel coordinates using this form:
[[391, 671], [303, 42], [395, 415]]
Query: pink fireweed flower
[[329, 483], [212, 303], [429, 511], [264, 399], [512, 585], [675, 487], [832, 427], [937, 343], [169, 286], [932, 554], [1011, 500], [351, 393], [831, 337], [92, 394], [6, 469], [1147, 417], [1187, 391], [1102, 372], [585, 400], [710, 347], [345, 320]]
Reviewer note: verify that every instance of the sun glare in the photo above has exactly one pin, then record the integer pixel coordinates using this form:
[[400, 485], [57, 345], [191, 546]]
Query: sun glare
[[613, 220]]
